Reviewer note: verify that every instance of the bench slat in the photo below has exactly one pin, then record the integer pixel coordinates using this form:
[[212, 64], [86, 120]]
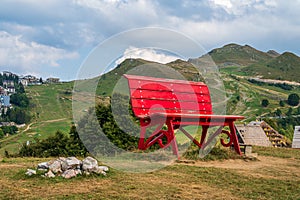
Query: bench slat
[[142, 113], [201, 88], [175, 105], [168, 96]]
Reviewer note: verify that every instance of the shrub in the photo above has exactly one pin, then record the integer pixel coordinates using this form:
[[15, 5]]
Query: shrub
[[293, 99], [265, 102]]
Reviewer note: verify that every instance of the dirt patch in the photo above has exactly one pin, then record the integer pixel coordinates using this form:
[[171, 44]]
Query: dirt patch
[[267, 167]]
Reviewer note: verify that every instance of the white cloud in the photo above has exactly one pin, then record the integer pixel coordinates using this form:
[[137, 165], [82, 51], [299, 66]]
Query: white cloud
[[147, 54], [237, 7], [29, 56], [62, 27]]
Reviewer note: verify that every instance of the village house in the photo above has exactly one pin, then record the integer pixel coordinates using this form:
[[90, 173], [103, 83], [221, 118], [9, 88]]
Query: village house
[[9, 86], [2, 91], [29, 80], [52, 80], [7, 73]]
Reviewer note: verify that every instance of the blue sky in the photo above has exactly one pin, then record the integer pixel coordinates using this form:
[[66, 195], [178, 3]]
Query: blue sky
[[53, 37]]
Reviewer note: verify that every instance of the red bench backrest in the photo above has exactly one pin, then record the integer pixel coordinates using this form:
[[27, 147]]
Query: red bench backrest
[[158, 95]]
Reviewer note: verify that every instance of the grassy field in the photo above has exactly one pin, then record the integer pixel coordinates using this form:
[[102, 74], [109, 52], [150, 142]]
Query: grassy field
[[49, 102], [51, 110], [268, 177]]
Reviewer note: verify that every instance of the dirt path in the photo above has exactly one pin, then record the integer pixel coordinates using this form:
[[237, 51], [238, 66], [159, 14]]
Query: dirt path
[[47, 121], [268, 167], [55, 120], [27, 128], [263, 161]]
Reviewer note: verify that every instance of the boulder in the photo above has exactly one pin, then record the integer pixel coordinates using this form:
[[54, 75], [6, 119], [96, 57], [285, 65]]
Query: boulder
[[78, 172], [69, 167], [99, 171], [43, 165], [70, 163], [89, 164], [55, 167], [70, 173], [30, 172], [104, 168], [49, 174]]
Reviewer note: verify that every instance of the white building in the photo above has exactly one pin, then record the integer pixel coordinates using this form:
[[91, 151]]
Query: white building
[[296, 138]]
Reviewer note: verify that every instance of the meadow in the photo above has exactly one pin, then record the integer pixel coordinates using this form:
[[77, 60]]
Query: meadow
[[267, 177]]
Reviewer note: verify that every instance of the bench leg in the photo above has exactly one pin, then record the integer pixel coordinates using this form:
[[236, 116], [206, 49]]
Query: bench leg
[[173, 138], [141, 145], [203, 135], [235, 139]]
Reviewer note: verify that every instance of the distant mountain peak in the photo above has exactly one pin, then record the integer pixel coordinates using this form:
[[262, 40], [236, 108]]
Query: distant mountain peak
[[290, 54], [238, 55], [273, 53]]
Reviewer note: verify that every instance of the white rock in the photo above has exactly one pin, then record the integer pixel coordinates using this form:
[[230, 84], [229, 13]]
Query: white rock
[[103, 173], [104, 168], [86, 173], [70, 163], [89, 164], [49, 174], [43, 165], [55, 167], [70, 173], [78, 171], [100, 171], [30, 172]]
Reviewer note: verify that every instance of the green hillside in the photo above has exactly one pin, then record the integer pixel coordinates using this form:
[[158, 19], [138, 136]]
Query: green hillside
[[234, 54], [51, 110], [178, 69], [283, 67], [248, 61]]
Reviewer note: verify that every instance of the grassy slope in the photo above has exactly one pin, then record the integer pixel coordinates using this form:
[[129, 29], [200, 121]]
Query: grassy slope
[[250, 96], [239, 55], [284, 67], [253, 62], [51, 108], [146, 68]]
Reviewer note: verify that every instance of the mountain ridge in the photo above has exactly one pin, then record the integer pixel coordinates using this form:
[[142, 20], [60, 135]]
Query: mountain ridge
[[253, 62]]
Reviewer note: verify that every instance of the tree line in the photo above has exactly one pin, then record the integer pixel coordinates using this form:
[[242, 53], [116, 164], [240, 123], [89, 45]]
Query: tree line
[[111, 138]]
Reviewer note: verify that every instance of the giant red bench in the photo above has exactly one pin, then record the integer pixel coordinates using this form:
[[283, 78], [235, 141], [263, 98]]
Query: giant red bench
[[159, 102]]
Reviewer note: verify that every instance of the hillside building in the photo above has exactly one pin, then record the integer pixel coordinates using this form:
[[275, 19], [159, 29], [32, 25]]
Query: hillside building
[[9, 86], [296, 138], [261, 133], [8, 83], [52, 80], [2, 91], [29, 80], [9, 74], [252, 134], [23, 81]]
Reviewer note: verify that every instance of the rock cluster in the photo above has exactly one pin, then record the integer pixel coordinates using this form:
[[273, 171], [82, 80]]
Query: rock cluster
[[69, 167]]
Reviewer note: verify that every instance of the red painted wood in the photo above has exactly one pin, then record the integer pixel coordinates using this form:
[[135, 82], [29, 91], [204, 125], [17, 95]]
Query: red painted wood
[[168, 95], [187, 87], [175, 103]]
